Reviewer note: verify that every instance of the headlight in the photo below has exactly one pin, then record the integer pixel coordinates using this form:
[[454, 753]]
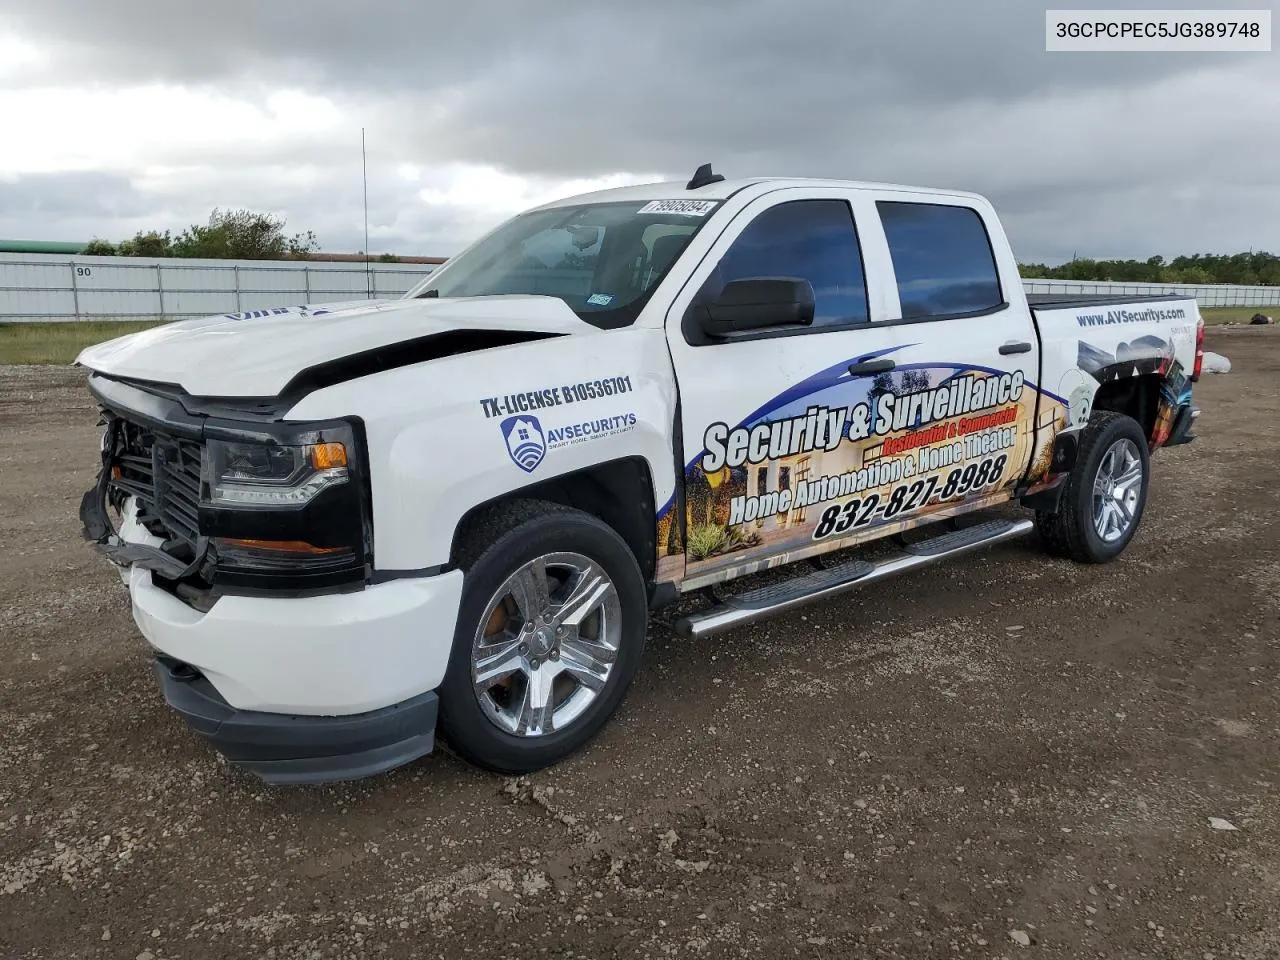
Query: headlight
[[287, 507], [255, 475]]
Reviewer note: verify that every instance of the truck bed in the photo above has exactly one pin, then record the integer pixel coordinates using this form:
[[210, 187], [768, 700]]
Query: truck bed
[[1065, 301]]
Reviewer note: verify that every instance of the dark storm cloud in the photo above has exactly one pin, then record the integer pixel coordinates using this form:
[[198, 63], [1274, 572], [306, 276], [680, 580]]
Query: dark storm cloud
[[959, 94], [670, 49]]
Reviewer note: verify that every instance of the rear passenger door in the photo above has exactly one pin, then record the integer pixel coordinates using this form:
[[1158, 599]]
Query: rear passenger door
[[896, 406]]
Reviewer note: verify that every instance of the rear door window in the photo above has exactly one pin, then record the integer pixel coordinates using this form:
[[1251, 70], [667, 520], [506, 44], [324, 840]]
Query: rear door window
[[942, 258]]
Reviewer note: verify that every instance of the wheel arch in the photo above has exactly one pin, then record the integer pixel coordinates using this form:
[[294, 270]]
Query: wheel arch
[[1137, 397], [618, 492]]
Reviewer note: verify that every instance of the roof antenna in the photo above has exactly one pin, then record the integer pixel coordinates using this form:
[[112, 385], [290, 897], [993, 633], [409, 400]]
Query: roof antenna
[[703, 176]]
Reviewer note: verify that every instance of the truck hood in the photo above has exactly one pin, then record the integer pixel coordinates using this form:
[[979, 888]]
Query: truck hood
[[256, 354]]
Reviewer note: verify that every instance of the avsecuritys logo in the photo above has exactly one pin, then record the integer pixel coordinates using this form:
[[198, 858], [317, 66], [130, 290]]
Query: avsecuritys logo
[[526, 444]]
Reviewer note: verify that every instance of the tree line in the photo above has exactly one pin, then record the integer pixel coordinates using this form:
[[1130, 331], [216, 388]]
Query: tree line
[[229, 235], [1240, 268]]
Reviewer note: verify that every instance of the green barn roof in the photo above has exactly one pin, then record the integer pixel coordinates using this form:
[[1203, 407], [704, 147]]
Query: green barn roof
[[39, 246]]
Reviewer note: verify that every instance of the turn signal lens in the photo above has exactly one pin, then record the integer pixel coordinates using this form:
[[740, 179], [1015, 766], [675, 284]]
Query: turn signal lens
[[327, 456]]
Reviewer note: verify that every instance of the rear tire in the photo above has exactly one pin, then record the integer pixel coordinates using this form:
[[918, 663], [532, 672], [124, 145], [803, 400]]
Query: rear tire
[[1105, 495], [550, 633]]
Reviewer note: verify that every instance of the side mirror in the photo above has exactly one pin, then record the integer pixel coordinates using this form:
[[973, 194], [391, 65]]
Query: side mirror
[[754, 303]]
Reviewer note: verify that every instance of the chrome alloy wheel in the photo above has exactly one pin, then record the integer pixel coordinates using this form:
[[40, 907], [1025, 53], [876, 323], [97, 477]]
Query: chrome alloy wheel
[[1116, 490], [546, 644]]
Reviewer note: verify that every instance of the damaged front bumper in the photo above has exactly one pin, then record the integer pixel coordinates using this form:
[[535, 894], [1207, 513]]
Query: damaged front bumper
[[311, 689], [283, 749]]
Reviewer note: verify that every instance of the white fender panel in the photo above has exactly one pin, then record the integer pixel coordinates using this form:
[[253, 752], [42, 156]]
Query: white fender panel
[[446, 436]]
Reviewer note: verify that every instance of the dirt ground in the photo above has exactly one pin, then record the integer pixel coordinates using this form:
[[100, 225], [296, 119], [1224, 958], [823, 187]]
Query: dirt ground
[[1005, 749]]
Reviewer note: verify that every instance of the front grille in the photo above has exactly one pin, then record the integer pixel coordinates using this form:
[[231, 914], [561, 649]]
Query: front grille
[[163, 473]]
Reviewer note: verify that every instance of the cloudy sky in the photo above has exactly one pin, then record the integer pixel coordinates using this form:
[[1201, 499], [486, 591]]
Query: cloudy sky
[[138, 114]]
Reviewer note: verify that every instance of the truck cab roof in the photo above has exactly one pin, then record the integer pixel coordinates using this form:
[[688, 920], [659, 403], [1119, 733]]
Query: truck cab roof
[[723, 189]]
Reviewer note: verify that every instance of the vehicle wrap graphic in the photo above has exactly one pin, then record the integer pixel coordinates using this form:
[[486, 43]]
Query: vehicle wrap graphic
[[526, 443], [1121, 315], [302, 311], [1139, 357], [529, 439], [554, 395], [839, 456]]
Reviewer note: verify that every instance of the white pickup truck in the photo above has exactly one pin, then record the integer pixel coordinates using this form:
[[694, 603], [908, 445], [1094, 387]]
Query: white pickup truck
[[344, 525]]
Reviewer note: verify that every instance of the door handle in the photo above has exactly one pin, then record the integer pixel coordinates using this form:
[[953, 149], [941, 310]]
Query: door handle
[[1014, 346], [872, 366]]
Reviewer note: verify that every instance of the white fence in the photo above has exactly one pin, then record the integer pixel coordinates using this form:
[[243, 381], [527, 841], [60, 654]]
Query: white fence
[[52, 287], [1206, 294]]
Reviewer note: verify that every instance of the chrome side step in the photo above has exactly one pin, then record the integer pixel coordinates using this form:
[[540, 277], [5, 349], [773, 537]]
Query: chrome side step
[[752, 605]]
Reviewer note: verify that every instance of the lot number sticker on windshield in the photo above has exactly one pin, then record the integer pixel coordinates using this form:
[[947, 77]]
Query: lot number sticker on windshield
[[687, 208]]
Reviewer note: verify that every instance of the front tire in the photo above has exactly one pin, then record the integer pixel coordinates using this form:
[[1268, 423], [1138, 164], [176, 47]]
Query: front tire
[[1105, 495], [550, 633]]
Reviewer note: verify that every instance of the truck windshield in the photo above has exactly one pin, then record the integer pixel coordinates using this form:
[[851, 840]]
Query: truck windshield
[[603, 259]]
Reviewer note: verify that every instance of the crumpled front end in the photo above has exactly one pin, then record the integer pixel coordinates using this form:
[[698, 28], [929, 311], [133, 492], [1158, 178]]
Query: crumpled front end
[[249, 568]]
